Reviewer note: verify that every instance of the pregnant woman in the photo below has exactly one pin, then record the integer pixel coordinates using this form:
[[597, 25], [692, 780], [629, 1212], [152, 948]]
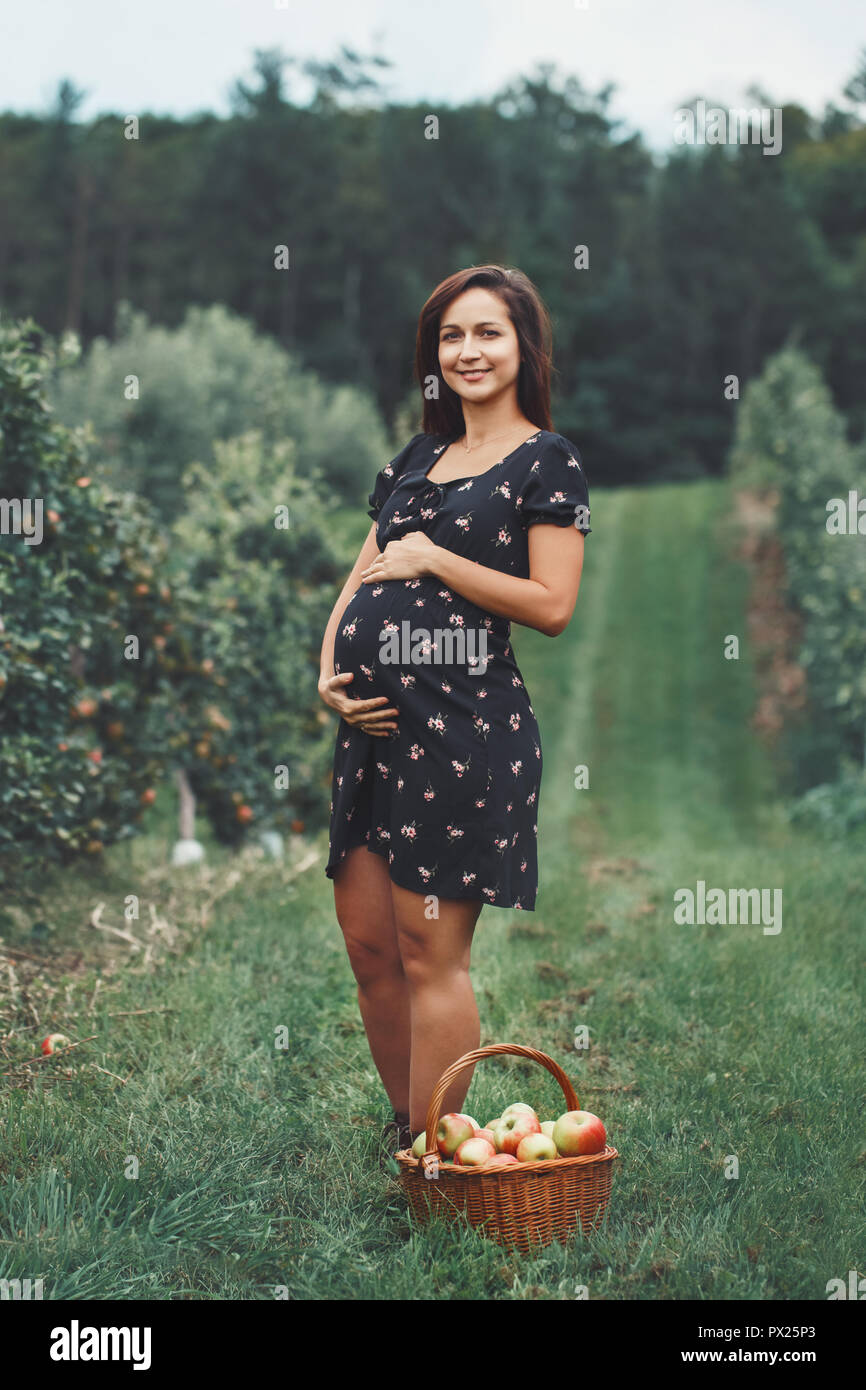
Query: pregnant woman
[[478, 522]]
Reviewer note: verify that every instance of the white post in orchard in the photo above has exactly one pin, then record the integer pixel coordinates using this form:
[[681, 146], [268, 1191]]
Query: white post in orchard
[[187, 849]]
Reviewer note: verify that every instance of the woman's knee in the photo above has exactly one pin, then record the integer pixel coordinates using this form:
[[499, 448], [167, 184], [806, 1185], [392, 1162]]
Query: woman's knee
[[371, 955], [362, 900], [426, 961]]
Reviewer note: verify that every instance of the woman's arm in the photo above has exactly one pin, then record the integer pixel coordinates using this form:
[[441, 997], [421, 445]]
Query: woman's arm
[[545, 601]]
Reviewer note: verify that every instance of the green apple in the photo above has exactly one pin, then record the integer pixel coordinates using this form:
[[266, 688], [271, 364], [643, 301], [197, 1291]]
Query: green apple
[[535, 1147], [499, 1130]]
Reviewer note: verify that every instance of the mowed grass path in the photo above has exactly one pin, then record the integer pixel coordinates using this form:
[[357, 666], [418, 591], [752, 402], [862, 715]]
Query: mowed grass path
[[714, 1049]]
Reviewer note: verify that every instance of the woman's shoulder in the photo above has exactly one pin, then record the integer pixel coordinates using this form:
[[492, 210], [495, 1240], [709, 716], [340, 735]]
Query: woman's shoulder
[[398, 463], [558, 449], [558, 442]]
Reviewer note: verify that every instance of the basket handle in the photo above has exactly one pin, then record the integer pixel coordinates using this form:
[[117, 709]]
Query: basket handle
[[468, 1060]]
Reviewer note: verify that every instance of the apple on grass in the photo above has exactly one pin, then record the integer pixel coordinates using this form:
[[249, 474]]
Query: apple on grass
[[579, 1132], [536, 1147], [53, 1041], [453, 1130], [514, 1128], [474, 1153]]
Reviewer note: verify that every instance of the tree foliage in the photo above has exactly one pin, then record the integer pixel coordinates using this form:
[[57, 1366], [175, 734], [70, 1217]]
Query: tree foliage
[[791, 439], [701, 265]]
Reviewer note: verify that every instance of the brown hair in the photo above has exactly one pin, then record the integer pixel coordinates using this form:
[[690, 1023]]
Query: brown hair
[[532, 325]]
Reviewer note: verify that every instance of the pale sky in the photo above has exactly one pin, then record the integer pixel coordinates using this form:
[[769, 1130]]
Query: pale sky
[[182, 56]]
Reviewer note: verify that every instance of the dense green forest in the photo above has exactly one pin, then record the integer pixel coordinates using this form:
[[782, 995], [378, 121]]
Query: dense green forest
[[700, 265]]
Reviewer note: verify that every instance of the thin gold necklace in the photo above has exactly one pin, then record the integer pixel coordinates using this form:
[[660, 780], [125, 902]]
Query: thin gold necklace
[[467, 448]]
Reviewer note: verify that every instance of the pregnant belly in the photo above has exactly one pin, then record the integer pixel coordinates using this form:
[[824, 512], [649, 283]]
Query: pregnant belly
[[426, 640], [358, 645]]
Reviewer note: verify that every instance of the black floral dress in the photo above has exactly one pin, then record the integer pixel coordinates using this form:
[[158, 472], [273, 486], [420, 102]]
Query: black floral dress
[[449, 799]]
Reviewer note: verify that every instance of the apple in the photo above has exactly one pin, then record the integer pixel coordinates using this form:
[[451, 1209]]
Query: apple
[[453, 1130], [474, 1123], [498, 1130], [515, 1128], [518, 1109], [579, 1132], [491, 1124], [474, 1153], [420, 1145], [536, 1147], [547, 1127], [53, 1041], [500, 1161], [487, 1134]]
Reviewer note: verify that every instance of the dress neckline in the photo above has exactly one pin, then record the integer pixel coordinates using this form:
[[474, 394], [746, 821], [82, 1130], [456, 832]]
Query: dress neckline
[[451, 439]]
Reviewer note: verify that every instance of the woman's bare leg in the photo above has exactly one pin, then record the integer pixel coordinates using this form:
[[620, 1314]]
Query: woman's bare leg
[[435, 954], [362, 897]]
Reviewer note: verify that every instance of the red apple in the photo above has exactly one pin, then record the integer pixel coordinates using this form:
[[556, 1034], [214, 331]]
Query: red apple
[[453, 1130], [500, 1161], [534, 1148], [474, 1123], [579, 1132], [487, 1134], [53, 1041], [474, 1153], [518, 1109], [515, 1128]]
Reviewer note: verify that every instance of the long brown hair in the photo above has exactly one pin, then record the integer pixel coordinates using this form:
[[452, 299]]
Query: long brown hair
[[444, 415]]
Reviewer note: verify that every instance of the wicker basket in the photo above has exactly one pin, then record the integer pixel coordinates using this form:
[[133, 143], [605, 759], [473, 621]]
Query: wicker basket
[[517, 1205]]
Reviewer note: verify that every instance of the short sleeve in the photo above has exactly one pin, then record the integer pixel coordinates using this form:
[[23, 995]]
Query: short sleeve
[[555, 490], [387, 477]]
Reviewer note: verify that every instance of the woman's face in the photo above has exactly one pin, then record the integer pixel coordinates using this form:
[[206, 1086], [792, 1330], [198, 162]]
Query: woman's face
[[479, 353]]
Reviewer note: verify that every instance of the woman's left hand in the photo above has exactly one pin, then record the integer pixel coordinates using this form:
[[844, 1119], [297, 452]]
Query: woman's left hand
[[407, 558]]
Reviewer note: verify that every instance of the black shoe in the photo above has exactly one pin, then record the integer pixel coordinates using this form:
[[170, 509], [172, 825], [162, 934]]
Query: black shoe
[[388, 1146], [396, 1134], [404, 1130]]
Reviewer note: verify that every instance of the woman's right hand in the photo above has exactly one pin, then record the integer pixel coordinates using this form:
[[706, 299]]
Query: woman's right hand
[[368, 715]]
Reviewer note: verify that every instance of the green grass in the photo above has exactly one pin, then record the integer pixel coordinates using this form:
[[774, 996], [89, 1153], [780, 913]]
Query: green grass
[[257, 1166]]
